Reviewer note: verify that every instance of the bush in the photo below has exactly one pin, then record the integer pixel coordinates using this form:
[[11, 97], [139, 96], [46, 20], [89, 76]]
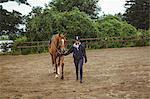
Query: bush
[[113, 26], [21, 39]]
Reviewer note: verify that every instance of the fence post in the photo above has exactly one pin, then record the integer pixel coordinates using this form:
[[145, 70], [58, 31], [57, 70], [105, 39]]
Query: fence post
[[87, 46], [31, 49], [20, 50], [44, 46], [37, 47]]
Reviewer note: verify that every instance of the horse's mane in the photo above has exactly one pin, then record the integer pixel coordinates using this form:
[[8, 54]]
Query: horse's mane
[[54, 41]]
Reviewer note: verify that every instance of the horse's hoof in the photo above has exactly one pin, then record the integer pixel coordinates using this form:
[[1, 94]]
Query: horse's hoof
[[54, 72], [58, 73], [62, 77], [56, 76]]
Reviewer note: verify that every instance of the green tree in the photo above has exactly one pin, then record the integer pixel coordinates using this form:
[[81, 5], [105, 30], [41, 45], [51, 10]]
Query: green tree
[[38, 24], [76, 23], [137, 13], [90, 7], [9, 21], [42, 26]]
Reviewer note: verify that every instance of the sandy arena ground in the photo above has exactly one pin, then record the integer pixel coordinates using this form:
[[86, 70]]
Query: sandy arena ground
[[119, 73]]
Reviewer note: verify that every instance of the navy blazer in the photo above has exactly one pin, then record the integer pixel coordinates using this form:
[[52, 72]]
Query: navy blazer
[[78, 53]]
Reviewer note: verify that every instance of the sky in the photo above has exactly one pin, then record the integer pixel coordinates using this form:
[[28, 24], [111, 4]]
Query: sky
[[107, 6]]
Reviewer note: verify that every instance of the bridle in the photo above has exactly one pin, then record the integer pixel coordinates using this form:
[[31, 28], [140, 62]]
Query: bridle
[[58, 47]]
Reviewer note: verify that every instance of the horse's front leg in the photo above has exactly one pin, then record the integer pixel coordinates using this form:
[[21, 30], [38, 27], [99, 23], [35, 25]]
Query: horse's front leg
[[62, 67], [53, 65], [56, 67], [58, 62], [62, 71]]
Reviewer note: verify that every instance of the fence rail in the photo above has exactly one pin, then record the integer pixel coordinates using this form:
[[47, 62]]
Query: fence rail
[[103, 42], [110, 39]]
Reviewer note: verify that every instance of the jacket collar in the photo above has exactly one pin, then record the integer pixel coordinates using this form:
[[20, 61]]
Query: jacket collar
[[76, 45]]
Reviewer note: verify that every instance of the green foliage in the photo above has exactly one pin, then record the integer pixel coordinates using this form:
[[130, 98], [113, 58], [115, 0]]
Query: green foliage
[[9, 21], [137, 13], [76, 23], [140, 34], [114, 26], [38, 25], [21, 39], [90, 7], [42, 26], [111, 26]]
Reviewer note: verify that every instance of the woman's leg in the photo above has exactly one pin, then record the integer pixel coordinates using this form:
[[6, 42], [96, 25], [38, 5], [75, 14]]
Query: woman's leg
[[76, 62], [81, 69]]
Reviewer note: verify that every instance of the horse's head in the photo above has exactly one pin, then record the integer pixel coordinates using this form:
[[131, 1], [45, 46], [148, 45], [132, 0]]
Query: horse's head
[[62, 43]]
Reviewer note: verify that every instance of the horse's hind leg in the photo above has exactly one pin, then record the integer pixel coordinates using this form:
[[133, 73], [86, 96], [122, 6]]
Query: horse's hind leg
[[58, 66], [53, 65], [54, 68]]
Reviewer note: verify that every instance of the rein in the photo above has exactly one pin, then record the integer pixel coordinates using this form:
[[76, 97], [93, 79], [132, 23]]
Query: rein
[[57, 48]]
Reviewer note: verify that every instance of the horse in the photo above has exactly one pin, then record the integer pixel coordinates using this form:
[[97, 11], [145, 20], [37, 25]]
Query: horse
[[57, 46]]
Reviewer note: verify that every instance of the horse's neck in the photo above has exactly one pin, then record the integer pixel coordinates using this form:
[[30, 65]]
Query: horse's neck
[[54, 43]]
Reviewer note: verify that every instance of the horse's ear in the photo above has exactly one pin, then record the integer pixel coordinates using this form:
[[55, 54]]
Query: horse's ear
[[65, 34], [59, 34]]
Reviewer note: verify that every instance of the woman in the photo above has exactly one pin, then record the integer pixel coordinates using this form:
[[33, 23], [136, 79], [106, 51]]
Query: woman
[[79, 55]]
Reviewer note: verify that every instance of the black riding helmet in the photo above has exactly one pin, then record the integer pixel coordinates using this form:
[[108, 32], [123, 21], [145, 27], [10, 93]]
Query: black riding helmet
[[77, 38]]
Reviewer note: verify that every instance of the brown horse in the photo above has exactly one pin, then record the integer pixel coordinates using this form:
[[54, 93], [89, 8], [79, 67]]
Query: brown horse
[[56, 48]]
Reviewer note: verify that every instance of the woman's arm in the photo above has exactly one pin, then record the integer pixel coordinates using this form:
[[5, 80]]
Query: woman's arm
[[84, 54], [69, 51]]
